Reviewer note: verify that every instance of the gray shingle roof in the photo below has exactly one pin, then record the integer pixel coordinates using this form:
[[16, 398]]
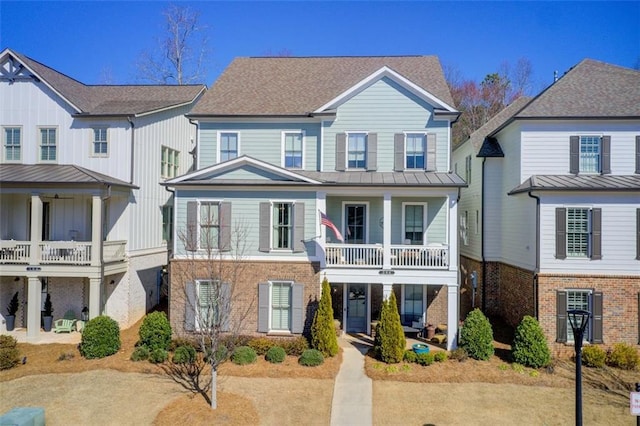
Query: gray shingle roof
[[112, 100], [590, 89], [55, 174], [579, 183], [296, 86]]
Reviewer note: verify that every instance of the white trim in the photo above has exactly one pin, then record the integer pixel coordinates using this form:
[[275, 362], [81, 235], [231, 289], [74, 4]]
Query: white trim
[[39, 144], [378, 75], [272, 249], [217, 201], [346, 149], [589, 336], [283, 135], [218, 135], [425, 217], [367, 223], [92, 152], [4, 144], [424, 145], [320, 146]]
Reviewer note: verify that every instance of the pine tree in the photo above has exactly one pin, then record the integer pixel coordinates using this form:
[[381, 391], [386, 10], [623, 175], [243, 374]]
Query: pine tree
[[323, 333], [389, 333]]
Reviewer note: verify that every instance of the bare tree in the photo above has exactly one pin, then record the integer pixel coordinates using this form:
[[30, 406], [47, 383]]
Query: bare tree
[[181, 55], [209, 281]]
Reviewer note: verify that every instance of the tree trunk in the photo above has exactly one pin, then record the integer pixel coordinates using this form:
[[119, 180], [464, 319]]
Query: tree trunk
[[214, 389]]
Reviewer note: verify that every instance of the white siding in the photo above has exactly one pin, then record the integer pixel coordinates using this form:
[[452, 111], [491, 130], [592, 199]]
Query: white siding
[[470, 200]]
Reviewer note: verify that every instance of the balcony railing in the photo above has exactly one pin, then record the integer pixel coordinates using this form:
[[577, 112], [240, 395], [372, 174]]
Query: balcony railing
[[65, 252], [113, 251], [15, 251], [432, 256], [59, 252]]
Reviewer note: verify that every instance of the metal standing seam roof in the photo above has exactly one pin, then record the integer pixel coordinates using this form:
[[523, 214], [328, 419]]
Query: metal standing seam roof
[[579, 183], [45, 174], [112, 99], [299, 85]]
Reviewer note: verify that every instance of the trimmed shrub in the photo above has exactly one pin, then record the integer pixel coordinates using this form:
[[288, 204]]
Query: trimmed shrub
[[261, 345], [425, 358], [390, 342], [184, 355], [100, 338], [593, 356], [177, 342], [476, 336], [530, 347], [155, 331], [275, 355], [311, 358], [623, 356], [244, 355], [410, 356], [158, 356], [459, 354], [140, 353], [296, 346], [9, 353], [323, 331], [440, 356]]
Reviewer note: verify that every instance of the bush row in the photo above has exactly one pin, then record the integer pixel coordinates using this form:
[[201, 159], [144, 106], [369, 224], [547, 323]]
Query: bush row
[[244, 355], [424, 358], [622, 356]]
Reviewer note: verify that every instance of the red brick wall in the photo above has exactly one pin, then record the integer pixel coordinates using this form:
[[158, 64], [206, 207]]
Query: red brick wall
[[245, 291], [467, 266]]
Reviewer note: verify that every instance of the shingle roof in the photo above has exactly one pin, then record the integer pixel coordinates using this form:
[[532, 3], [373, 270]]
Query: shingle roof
[[579, 183], [112, 100], [296, 86], [46, 174], [590, 89]]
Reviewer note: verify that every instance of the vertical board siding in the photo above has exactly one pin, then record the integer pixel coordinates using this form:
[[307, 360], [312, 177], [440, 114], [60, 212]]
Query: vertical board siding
[[471, 197]]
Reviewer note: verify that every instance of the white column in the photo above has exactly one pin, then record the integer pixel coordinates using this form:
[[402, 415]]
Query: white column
[[96, 231], [453, 234], [386, 231], [95, 293], [452, 316], [386, 291], [34, 296], [321, 203], [36, 229]]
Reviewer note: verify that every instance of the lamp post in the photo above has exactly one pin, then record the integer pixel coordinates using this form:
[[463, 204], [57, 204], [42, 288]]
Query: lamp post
[[578, 320]]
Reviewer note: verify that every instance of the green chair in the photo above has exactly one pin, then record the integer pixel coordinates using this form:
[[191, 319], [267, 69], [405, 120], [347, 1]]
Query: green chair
[[67, 324]]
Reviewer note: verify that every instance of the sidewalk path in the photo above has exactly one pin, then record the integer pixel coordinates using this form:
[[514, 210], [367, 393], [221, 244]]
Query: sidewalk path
[[352, 393]]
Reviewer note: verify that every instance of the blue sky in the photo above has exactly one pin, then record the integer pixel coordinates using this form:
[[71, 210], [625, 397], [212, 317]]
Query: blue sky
[[85, 40]]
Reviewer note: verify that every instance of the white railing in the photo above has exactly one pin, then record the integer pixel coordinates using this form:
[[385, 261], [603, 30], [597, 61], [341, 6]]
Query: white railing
[[65, 252], [15, 251], [433, 256], [113, 251]]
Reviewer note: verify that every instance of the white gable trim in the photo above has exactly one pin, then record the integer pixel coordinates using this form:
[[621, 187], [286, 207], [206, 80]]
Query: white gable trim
[[8, 52], [239, 162], [381, 73]]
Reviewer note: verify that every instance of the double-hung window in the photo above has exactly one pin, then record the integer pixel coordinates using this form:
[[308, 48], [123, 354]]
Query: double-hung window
[[579, 233], [228, 146], [415, 150], [584, 299], [293, 149], [357, 151], [170, 163], [414, 221], [281, 305], [281, 226], [590, 155], [12, 144], [48, 144], [209, 229], [209, 298], [282, 218], [100, 146]]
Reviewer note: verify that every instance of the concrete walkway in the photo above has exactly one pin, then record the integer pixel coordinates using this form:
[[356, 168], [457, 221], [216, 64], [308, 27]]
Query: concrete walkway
[[352, 392]]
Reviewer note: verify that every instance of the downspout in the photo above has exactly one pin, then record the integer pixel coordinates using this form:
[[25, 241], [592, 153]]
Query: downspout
[[194, 152], [132, 150], [482, 251], [537, 267], [170, 252]]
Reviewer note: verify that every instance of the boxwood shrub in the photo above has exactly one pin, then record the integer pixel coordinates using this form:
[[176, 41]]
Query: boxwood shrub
[[593, 356], [311, 358], [623, 356], [9, 353], [100, 338], [244, 355], [476, 336], [410, 356], [275, 355], [425, 358], [530, 347], [155, 331], [140, 353], [185, 354]]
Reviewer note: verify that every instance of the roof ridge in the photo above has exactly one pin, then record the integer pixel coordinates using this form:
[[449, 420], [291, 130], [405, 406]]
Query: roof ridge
[[334, 56]]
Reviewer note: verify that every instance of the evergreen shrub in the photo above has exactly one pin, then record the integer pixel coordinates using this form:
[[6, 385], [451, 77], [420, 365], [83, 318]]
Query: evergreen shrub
[[295, 346], [390, 342], [184, 355], [244, 355], [275, 355], [623, 356], [140, 353], [410, 356], [529, 346], [323, 331], [311, 358], [261, 345], [476, 336], [425, 358], [9, 353], [100, 338], [593, 356], [155, 331], [440, 356], [158, 356]]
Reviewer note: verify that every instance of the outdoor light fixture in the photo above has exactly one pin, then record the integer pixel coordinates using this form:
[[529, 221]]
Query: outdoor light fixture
[[578, 320]]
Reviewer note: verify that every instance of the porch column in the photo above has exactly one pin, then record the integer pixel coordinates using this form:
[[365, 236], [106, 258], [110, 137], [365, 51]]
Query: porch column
[[96, 231], [321, 231], [36, 229], [452, 316], [95, 293], [453, 234], [386, 231], [386, 291], [34, 296]]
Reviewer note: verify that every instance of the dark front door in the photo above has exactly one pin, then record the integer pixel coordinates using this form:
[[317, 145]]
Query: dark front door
[[357, 308]]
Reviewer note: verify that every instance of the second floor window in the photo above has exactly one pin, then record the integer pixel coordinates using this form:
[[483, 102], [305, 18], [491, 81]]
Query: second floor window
[[414, 224], [293, 150], [578, 232], [590, 154], [415, 150], [12, 143], [170, 163], [48, 144], [100, 145], [228, 146], [357, 151], [209, 226], [282, 225]]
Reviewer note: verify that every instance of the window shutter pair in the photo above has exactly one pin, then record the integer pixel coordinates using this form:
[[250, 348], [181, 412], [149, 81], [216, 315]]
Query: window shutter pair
[[297, 308], [191, 243], [371, 156], [574, 154], [561, 233], [596, 317], [264, 237], [399, 152]]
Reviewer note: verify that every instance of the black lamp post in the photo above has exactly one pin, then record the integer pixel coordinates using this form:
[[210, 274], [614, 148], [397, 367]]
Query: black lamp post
[[578, 320]]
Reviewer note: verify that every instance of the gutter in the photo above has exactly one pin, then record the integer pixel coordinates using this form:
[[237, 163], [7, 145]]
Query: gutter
[[195, 151], [132, 150], [537, 267]]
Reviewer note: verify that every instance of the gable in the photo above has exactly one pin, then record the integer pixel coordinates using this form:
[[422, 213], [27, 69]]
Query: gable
[[244, 173], [12, 70]]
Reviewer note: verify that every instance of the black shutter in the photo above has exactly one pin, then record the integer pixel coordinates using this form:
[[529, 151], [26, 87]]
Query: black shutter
[[264, 243], [398, 152], [561, 316], [225, 226], [191, 243], [574, 154], [637, 234], [639, 318], [297, 308], [341, 149], [596, 234], [606, 155], [561, 233], [372, 151], [298, 227], [263, 307], [190, 307], [597, 317]]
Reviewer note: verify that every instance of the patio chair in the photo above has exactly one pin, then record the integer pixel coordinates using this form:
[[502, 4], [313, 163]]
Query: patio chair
[[67, 324]]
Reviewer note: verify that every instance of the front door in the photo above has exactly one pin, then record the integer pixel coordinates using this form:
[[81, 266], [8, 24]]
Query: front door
[[357, 308]]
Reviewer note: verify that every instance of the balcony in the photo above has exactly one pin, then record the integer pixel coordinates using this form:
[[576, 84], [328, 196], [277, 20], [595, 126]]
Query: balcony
[[432, 256], [59, 252]]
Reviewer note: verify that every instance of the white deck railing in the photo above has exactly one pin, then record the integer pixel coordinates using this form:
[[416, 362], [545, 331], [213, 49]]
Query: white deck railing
[[59, 252], [113, 251], [15, 251], [433, 256], [65, 252]]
